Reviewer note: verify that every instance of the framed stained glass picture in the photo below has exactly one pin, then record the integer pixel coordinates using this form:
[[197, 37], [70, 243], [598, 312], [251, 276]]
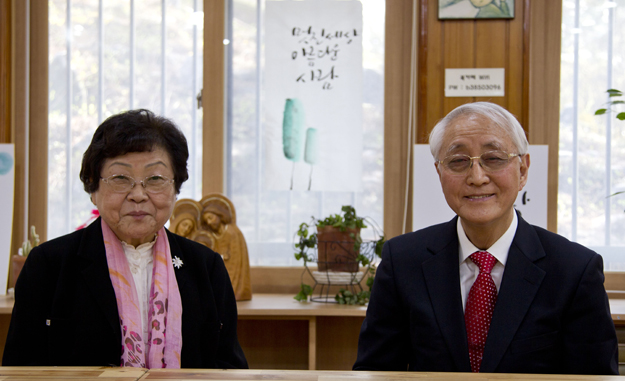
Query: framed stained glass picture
[[475, 9]]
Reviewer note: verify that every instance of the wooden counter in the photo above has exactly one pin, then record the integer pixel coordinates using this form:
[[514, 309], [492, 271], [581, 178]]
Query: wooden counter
[[277, 332], [135, 374], [308, 375], [70, 373]]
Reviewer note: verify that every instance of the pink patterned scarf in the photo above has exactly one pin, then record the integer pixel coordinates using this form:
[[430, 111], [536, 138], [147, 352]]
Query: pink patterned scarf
[[164, 310]]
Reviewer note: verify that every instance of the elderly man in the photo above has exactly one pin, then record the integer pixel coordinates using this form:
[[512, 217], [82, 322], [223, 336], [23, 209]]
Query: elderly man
[[486, 291]]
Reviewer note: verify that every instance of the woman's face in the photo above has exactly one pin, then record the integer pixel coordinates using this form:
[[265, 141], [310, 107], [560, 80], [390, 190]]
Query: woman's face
[[185, 227], [135, 216]]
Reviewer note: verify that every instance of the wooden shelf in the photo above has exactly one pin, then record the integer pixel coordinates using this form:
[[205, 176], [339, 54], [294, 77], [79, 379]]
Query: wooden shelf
[[617, 308], [278, 332], [284, 305]]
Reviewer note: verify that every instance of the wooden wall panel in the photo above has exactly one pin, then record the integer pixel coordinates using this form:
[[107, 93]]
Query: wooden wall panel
[[431, 75], [5, 72], [545, 19], [213, 97], [491, 51], [459, 51], [397, 153], [516, 64], [38, 119], [19, 103], [467, 44]]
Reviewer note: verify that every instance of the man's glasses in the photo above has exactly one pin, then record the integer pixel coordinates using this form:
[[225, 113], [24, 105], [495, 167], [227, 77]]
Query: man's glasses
[[492, 161], [151, 184]]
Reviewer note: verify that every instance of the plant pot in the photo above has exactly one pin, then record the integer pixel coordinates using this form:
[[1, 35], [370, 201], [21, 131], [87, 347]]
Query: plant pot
[[17, 262], [336, 250]]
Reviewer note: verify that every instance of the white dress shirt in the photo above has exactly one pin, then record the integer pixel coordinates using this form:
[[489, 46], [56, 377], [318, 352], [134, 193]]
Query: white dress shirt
[[141, 262], [469, 270]]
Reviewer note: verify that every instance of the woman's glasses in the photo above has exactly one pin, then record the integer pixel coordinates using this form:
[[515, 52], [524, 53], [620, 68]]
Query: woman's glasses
[[151, 184]]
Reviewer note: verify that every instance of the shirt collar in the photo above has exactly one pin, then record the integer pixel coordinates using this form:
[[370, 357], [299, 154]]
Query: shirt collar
[[499, 249], [140, 253]]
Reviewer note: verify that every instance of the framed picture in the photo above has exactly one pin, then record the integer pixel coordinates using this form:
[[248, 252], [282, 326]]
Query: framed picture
[[475, 9]]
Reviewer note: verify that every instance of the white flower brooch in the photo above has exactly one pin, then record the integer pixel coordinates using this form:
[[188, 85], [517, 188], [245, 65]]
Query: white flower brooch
[[177, 262]]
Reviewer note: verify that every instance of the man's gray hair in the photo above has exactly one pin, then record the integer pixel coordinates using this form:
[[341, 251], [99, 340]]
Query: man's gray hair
[[495, 113]]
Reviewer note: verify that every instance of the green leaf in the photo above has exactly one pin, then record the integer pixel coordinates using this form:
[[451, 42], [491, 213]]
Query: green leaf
[[620, 116], [379, 244], [618, 102], [615, 92], [300, 297], [363, 260], [304, 292], [601, 111]]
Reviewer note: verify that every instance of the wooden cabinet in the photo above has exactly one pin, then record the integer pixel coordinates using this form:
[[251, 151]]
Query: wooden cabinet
[[277, 332]]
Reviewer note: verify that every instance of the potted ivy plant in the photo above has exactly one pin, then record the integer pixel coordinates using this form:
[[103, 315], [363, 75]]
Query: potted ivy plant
[[614, 94], [339, 248]]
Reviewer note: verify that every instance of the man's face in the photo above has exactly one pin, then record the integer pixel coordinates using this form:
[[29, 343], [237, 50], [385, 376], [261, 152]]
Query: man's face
[[212, 220], [481, 199]]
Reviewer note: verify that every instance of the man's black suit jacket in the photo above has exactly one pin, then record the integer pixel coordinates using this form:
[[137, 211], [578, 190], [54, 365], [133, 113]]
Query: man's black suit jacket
[[65, 309], [552, 313]]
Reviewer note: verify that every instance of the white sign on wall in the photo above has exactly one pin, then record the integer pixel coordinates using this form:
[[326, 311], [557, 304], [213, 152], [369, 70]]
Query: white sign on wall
[[430, 207], [312, 104], [474, 82], [7, 183]]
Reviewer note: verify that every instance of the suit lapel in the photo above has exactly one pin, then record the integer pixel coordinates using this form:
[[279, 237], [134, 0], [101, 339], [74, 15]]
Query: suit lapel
[[521, 281], [182, 272], [94, 270], [441, 273]]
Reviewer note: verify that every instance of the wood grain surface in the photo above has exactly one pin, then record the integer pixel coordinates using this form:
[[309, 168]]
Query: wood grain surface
[[350, 375], [283, 305], [128, 374], [70, 373]]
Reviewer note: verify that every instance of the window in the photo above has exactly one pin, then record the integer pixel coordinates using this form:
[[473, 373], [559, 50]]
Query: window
[[109, 56], [269, 219], [591, 157]]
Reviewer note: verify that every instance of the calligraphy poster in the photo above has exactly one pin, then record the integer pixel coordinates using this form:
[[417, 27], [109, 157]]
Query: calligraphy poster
[[312, 87], [430, 206], [7, 182]]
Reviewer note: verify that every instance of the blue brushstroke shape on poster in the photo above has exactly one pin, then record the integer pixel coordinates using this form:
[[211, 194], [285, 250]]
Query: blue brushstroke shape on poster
[[311, 153], [293, 132], [6, 163]]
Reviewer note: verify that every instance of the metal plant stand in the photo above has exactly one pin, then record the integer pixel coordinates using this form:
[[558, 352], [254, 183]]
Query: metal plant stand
[[341, 269]]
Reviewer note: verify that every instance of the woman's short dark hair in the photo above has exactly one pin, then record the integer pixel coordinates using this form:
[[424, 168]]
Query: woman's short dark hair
[[134, 131]]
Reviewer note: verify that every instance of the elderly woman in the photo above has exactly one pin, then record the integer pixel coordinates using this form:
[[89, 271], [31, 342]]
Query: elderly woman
[[124, 290]]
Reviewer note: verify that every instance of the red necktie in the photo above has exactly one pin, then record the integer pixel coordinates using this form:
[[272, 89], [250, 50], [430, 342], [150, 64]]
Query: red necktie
[[480, 306]]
